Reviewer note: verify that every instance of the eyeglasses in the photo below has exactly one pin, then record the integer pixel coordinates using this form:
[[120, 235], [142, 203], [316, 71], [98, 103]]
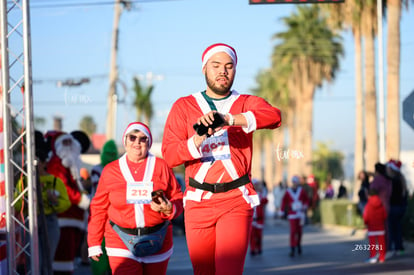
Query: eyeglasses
[[133, 138]]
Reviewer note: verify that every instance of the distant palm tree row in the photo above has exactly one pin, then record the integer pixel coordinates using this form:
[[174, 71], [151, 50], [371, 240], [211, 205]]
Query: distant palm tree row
[[306, 56]]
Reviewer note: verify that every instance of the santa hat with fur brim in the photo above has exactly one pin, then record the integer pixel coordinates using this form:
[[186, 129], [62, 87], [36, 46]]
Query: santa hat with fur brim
[[137, 126], [394, 165], [218, 47]]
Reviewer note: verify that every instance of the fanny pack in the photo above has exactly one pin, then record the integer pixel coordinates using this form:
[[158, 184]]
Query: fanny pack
[[142, 241]]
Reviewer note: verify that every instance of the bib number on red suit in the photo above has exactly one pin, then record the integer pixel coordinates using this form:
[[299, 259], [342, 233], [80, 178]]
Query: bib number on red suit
[[139, 192], [216, 147]]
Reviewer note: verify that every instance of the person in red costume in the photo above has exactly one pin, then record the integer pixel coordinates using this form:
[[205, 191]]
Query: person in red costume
[[295, 203], [65, 164], [375, 217], [219, 196], [259, 215], [123, 210]]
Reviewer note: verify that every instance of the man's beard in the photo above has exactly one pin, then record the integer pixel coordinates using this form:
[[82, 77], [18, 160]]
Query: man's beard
[[218, 89], [70, 157]]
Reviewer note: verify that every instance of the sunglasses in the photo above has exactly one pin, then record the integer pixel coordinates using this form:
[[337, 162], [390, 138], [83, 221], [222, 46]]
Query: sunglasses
[[133, 138]]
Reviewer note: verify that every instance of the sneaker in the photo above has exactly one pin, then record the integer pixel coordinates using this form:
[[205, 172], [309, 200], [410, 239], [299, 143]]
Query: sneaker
[[371, 260], [389, 254], [399, 252]]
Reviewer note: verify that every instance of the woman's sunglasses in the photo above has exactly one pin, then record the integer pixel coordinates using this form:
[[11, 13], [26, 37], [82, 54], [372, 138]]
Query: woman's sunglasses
[[133, 138]]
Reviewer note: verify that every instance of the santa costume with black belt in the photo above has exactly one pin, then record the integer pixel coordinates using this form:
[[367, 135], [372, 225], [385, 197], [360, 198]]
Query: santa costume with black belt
[[219, 196]]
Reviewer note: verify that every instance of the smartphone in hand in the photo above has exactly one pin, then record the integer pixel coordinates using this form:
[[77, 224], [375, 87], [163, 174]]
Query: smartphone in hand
[[157, 196], [202, 129]]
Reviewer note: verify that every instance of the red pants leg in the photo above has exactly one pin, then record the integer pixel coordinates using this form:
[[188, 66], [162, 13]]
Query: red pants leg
[[217, 236], [126, 266], [381, 247], [254, 236], [69, 243], [372, 242], [295, 232]]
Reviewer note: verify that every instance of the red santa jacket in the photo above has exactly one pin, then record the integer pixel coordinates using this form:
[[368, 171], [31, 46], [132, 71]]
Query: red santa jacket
[[110, 203], [295, 202], [74, 216], [178, 147], [375, 216]]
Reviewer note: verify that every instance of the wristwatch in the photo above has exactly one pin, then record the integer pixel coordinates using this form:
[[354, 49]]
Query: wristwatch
[[231, 119]]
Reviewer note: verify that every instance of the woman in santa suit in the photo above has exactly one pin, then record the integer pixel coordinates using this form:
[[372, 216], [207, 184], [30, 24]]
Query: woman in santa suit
[[123, 206]]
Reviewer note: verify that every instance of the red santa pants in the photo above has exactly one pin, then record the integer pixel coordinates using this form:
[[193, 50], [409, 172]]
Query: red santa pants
[[126, 266], [377, 245], [295, 232], [68, 247], [256, 239], [217, 232]]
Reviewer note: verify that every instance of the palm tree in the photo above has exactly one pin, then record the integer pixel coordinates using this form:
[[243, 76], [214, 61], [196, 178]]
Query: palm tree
[[266, 142], [142, 101], [368, 28], [312, 51], [393, 78], [344, 16], [88, 125]]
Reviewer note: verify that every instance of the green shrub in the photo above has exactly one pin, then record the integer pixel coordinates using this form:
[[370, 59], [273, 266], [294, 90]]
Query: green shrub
[[340, 212]]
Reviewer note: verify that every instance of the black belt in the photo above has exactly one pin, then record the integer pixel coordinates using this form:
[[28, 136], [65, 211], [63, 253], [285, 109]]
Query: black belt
[[220, 187], [140, 230]]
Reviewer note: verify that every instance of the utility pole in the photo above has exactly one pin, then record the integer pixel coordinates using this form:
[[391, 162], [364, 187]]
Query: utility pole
[[112, 99], [113, 75]]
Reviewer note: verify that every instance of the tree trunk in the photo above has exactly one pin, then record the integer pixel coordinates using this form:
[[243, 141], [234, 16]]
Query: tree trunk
[[278, 141], [393, 80], [371, 120], [307, 126], [269, 162], [359, 163]]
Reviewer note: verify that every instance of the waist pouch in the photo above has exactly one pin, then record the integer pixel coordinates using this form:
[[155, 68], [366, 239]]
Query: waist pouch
[[142, 245]]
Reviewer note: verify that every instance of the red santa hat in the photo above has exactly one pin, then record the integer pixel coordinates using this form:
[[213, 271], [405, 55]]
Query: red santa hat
[[218, 47], [54, 137], [394, 165], [138, 126]]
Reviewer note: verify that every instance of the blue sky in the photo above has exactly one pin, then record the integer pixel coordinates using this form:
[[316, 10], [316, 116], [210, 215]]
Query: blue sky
[[167, 38]]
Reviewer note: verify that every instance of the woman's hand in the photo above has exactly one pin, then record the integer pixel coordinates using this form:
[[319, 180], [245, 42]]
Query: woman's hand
[[165, 206], [96, 257]]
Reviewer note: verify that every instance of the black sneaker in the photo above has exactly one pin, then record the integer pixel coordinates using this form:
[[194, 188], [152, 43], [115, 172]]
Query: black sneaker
[[299, 250], [292, 252]]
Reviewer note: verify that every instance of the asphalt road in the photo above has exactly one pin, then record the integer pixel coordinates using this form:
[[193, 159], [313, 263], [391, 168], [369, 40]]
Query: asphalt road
[[325, 251]]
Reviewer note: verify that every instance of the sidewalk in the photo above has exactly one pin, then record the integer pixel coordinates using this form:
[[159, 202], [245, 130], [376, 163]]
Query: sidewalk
[[325, 251]]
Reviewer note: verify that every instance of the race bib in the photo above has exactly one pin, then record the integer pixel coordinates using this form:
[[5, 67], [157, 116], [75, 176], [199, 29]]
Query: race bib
[[139, 192], [216, 147], [296, 206]]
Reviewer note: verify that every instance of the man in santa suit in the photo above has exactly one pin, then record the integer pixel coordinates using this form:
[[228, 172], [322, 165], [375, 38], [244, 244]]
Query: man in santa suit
[[294, 204], [65, 164], [219, 196]]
